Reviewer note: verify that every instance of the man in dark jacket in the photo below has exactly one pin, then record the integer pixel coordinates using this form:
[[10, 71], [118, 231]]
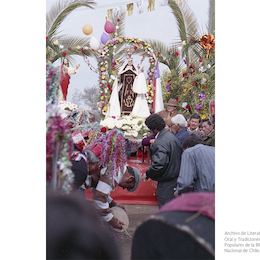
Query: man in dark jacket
[[166, 159], [208, 129]]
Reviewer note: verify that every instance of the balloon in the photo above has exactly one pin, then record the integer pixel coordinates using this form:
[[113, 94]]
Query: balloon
[[109, 27], [94, 43], [87, 29], [104, 38]]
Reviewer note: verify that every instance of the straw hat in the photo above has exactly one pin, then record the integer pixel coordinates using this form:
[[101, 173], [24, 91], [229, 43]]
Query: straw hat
[[172, 102]]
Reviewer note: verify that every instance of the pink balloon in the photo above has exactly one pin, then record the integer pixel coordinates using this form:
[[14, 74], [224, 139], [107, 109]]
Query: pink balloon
[[104, 38], [109, 27]]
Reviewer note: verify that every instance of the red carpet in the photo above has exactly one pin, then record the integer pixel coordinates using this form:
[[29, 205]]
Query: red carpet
[[143, 195]]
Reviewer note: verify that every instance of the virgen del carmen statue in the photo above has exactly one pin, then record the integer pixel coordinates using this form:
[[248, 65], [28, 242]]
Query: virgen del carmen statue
[[128, 93]]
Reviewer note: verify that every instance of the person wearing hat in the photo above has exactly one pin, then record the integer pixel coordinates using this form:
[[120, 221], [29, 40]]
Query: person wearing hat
[[170, 110], [128, 179], [88, 174]]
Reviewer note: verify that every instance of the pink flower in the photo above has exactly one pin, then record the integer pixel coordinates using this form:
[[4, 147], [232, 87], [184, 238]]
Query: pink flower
[[176, 54], [198, 107], [202, 96]]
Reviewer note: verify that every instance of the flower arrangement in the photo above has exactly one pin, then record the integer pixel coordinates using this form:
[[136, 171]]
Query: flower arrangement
[[66, 105], [131, 126], [108, 68], [195, 84], [66, 108]]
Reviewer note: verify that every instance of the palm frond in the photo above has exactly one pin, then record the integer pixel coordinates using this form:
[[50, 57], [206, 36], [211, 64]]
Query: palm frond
[[186, 23], [121, 24], [211, 21], [71, 46], [74, 41], [60, 11]]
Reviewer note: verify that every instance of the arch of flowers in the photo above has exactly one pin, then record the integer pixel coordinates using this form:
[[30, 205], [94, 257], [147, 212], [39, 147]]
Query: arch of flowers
[[108, 68]]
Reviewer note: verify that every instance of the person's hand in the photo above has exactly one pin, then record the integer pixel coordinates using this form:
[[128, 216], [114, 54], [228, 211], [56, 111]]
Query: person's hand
[[176, 193], [119, 224], [152, 141], [144, 177], [120, 206]]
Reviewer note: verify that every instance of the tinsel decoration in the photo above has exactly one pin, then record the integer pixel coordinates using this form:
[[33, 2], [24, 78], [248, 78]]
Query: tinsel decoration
[[113, 154], [58, 141], [52, 82]]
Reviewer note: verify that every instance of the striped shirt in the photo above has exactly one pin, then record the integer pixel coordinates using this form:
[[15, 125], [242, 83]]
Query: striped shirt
[[197, 166]]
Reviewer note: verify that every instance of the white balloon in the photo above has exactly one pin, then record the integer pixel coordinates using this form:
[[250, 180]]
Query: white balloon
[[94, 43]]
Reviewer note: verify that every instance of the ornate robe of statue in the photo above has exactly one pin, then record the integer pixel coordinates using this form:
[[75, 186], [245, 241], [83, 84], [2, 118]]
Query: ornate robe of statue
[[126, 95]]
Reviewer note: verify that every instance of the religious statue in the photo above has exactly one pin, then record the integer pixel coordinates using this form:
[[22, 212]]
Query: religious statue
[[127, 75], [128, 93], [66, 71]]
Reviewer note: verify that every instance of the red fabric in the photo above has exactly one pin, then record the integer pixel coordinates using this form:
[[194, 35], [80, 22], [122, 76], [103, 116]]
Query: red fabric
[[78, 140], [145, 194], [88, 133], [96, 149], [203, 202], [64, 83], [140, 154]]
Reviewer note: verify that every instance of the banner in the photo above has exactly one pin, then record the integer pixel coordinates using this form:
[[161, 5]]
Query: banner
[[140, 6], [109, 14], [130, 9], [151, 5]]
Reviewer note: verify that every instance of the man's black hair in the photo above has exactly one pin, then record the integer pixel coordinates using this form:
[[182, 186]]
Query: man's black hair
[[196, 116], [130, 170], [191, 140], [207, 120], [155, 121]]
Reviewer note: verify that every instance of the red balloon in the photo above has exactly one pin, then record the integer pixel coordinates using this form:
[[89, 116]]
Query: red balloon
[[109, 27]]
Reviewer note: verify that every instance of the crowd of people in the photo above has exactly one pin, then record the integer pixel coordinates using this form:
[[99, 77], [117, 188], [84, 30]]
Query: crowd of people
[[182, 153]]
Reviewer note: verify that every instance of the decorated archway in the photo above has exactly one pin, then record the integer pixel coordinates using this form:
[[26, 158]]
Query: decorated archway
[[108, 68]]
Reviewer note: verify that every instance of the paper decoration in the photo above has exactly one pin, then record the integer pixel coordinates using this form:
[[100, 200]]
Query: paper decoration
[[151, 5], [129, 9], [109, 14], [140, 4], [118, 11]]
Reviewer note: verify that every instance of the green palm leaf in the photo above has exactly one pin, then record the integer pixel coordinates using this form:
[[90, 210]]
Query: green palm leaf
[[70, 46], [211, 22], [60, 11], [186, 23], [54, 18]]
